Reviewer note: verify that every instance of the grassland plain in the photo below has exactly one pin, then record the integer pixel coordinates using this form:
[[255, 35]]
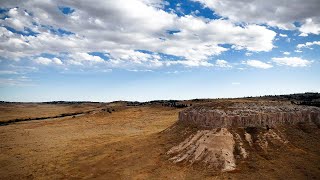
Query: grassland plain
[[131, 143]]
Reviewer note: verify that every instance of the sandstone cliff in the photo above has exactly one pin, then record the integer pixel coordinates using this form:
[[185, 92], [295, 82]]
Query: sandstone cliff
[[253, 114], [228, 131]]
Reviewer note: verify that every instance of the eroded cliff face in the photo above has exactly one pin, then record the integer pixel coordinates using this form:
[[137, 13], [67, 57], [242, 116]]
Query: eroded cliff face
[[212, 147], [249, 115], [228, 133], [223, 148]]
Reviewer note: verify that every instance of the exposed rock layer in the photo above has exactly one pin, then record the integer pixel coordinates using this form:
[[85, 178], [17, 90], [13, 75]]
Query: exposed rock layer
[[212, 147], [251, 114], [230, 131], [223, 148]]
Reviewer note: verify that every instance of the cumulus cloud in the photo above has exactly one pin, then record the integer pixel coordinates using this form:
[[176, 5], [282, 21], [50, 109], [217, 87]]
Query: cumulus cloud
[[47, 61], [311, 26], [140, 33], [291, 61], [81, 58], [308, 44], [258, 64], [282, 14], [17, 46], [222, 63], [120, 29], [17, 19]]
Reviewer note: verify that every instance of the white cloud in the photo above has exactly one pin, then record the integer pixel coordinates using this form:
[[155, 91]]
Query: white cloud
[[189, 63], [258, 64], [310, 26], [222, 63], [16, 81], [47, 61], [177, 72], [8, 72], [235, 83], [248, 54], [291, 61], [119, 28], [286, 53], [140, 70], [17, 19], [133, 56], [57, 61], [22, 69], [106, 70], [308, 44], [282, 14], [283, 35], [83, 59], [303, 34]]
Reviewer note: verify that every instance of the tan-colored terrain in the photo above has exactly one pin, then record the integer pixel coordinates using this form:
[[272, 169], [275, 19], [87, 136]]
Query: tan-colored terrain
[[132, 143], [34, 110]]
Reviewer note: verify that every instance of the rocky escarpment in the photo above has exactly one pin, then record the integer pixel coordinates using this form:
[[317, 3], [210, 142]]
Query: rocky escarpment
[[229, 132], [253, 114]]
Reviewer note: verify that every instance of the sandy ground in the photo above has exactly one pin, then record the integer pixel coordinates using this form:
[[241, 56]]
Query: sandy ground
[[131, 143]]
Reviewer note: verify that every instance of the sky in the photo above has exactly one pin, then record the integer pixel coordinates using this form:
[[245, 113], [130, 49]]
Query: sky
[[141, 50]]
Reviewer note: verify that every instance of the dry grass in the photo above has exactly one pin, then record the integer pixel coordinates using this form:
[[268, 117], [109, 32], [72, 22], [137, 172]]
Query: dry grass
[[33, 110], [131, 143], [60, 148]]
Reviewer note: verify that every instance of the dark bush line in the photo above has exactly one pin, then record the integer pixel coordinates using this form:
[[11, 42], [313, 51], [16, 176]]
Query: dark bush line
[[71, 102], [309, 103], [108, 110], [41, 118], [169, 103]]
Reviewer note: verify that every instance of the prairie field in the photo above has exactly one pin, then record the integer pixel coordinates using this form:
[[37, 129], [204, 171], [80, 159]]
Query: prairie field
[[115, 141]]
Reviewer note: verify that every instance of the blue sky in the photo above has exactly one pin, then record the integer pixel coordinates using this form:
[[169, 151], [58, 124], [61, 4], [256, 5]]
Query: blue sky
[[154, 49]]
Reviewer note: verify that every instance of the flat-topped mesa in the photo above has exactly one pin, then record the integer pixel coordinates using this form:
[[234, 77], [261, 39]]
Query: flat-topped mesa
[[249, 114]]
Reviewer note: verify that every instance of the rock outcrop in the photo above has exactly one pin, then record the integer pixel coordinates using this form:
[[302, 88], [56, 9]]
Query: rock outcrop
[[228, 132], [249, 114]]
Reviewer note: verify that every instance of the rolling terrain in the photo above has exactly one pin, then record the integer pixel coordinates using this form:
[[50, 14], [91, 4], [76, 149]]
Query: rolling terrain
[[117, 141]]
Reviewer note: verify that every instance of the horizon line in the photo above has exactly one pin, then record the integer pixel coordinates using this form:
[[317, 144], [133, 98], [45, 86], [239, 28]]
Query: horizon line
[[86, 101]]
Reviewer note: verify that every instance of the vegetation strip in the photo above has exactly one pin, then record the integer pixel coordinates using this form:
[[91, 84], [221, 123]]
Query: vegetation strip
[[4, 123]]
